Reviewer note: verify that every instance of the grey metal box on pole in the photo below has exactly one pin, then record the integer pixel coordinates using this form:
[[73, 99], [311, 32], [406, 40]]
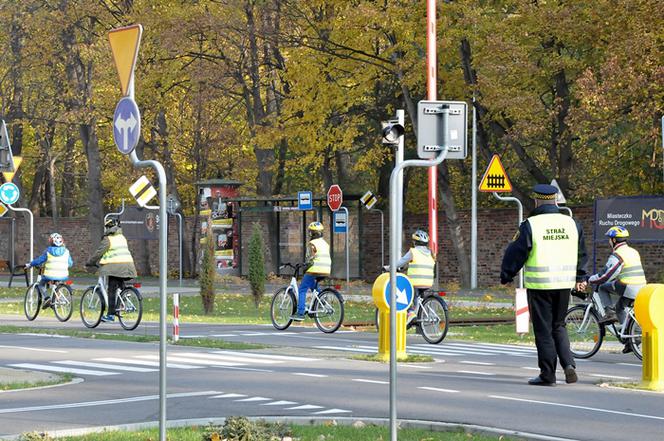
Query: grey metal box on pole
[[430, 136]]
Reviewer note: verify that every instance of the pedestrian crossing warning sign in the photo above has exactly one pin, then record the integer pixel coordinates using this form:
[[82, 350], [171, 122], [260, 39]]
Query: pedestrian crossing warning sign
[[495, 178]]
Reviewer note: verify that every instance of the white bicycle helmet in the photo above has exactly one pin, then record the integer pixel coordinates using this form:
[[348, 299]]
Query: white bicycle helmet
[[56, 239]]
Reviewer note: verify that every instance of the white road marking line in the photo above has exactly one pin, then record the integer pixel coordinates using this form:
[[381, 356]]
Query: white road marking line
[[252, 399], [235, 368], [497, 346], [616, 377], [193, 336], [252, 334], [305, 407], [475, 373], [330, 411], [34, 349], [228, 396], [44, 367], [105, 402], [104, 366], [305, 374], [593, 409], [223, 335], [192, 361], [416, 366], [362, 380], [147, 363], [282, 333], [479, 363], [629, 364], [267, 356], [530, 368], [34, 334], [280, 403], [226, 358], [343, 348], [438, 389]]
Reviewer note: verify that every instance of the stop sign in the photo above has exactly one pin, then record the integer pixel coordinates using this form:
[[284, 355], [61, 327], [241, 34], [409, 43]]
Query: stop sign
[[335, 197]]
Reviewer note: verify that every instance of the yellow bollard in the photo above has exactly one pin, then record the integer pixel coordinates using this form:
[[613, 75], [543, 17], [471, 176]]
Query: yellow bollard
[[380, 296], [649, 310]]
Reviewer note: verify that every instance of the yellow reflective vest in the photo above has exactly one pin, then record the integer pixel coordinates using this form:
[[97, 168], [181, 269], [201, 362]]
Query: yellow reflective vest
[[57, 267], [552, 261], [420, 268], [118, 252], [632, 270], [322, 262]]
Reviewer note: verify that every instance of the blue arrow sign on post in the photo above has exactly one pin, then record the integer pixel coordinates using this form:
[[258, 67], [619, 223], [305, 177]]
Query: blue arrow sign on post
[[9, 193], [126, 125], [405, 292], [305, 200]]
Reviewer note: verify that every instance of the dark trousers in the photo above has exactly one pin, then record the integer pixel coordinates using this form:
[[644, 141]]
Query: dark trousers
[[114, 283], [547, 312]]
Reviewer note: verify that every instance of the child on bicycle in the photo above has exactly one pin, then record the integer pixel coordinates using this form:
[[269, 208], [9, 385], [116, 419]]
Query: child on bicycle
[[421, 265], [115, 262], [318, 265], [56, 261]]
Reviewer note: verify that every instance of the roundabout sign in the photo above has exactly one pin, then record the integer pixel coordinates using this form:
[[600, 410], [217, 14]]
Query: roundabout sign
[[9, 193]]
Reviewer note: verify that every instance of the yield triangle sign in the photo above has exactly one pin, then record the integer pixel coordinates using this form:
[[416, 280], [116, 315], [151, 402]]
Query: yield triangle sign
[[10, 175], [495, 178], [124, 44]]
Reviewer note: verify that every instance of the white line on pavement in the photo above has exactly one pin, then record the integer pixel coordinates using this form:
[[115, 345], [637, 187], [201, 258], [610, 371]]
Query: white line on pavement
[[147, 363], [305, 374], [252, 399], [330, 411], [280, 403], [34, 349], [475, 373], [344, 348], [192, 361], [593, 409], [438, 389], [269, 356], [228, 396], [305, 407], [104, 366], [362, 380], [479, 363], [629, 364], [69, 370], [616, 377], [225, 358]]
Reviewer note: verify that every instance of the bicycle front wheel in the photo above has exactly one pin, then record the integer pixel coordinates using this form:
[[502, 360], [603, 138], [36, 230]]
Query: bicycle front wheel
[[282, 308], [32, 302], [62, 303], [585, 333], [433, 319], [130, 308], [634, 338], [92, 307], [328, 310]]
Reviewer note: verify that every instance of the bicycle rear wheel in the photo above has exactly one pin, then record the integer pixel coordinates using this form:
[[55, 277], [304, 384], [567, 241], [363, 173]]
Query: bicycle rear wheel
[[92, 307], [585, 335], [634, 339], [32, 302], [130, 308], [433, 319], [328, 310], [62, 302], [282, 307]]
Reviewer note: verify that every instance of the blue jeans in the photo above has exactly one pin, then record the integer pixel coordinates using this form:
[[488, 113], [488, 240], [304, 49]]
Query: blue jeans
[[308, 282]]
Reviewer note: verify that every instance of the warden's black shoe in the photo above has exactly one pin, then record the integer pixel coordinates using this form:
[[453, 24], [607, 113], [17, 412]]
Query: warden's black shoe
[[570, 375], [627, 349], [537, 381]]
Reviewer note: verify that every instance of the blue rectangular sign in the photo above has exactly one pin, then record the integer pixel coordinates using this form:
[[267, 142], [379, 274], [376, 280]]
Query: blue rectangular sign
[[339, 221], [305, 200]]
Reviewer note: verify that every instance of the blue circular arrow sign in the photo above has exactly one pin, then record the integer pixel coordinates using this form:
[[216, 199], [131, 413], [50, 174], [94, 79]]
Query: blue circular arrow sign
[[405, 292], [9, 193], [126, 125]]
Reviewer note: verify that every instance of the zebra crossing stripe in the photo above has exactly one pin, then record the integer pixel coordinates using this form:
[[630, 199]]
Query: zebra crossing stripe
[[147, 363], [305, 407], [495, 346], [68, 370], [267, 356], [227, 358], [348, 349], [252, 399], [192, 361], [280, 403], [329, 411], [104, 366], [228, 396]]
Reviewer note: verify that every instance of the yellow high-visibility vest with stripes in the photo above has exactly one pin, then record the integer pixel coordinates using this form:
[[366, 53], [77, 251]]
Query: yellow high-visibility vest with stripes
[[420, 268], [553, 257], [632, 271], [57, 267], [322, 263], [118, 252]]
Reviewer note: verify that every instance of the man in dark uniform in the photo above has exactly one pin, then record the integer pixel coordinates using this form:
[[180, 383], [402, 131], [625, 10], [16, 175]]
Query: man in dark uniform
[[551, 249]]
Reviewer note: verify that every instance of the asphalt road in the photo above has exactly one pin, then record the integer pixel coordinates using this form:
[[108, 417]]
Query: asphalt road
[[308, 374]]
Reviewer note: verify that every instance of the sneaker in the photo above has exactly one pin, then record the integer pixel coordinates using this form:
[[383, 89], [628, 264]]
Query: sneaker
[[410, 317], [570, 374], [609, 317], [297, 317], [108, 318], [46, 303]]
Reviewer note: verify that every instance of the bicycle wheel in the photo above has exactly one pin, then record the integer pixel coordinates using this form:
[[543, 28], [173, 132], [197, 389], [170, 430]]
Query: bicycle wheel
[[634, 339], [433, 319], [282, 307], [328, 310], [92, 307], [61, 302], [585, 333], [129, 308], [32, 302]]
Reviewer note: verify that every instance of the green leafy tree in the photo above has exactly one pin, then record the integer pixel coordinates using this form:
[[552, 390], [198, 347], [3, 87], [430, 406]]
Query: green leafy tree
[[257, 264]]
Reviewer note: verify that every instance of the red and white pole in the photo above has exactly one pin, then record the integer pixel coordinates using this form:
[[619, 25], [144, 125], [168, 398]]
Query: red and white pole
[[432, 96], [176, 317]]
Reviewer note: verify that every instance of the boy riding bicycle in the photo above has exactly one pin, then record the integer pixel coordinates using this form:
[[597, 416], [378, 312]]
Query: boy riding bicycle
[[318, 265], [56, 261], [421, 265]]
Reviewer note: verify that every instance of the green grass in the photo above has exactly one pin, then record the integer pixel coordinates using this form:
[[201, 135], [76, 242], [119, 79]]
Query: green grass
[[505, 334], [64, 378], [301, 433], [12, 293]]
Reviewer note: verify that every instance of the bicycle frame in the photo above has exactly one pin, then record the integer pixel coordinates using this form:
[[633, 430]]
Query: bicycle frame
[[596, 304]]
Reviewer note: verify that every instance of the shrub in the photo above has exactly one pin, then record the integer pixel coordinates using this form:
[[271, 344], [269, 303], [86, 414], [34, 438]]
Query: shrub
[[208, 271], [257, 275]]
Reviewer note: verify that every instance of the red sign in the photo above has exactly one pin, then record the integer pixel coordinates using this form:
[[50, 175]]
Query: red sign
[[335, 197]]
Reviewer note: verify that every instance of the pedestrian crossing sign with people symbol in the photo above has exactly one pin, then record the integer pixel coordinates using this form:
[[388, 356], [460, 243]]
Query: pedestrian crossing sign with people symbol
[[495, 179]]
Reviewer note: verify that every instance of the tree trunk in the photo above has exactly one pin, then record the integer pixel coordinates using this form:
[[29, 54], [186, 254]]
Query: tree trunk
[[68, 192]]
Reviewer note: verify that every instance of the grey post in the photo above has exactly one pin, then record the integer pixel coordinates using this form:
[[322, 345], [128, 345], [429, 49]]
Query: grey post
[[518, 203], [32, 233], [180, 238], [347, 253], [396, 199], [473, 217], [398, 159]]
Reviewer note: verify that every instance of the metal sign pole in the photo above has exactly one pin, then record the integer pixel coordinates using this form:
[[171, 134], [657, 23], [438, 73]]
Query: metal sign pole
[[32, 232], [401, 117], [180, 236], [347, 251], [473, 217], [518, 203]]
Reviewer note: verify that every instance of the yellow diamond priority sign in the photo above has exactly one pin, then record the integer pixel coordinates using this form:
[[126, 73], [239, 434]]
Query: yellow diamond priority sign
[[495, 178], [3, 209], [124, 44], [142, 190]]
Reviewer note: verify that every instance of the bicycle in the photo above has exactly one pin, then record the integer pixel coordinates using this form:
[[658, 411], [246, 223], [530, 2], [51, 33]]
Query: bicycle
[[128, 305], [60, 299], [586, 334], [432, 317], [326, 306]]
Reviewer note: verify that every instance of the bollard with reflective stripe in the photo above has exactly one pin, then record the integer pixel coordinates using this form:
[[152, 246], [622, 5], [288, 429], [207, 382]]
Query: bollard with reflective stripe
[[378, 292], [176, 317], [649, 310]]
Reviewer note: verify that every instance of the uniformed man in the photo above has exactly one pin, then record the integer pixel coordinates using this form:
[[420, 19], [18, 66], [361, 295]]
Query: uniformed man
[[551, 249]]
